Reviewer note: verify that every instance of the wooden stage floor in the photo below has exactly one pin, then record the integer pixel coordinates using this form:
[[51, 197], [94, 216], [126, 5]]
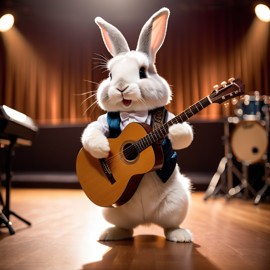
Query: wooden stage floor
[[231, 235]]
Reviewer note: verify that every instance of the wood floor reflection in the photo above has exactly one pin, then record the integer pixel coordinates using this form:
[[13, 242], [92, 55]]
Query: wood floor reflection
[[231, 234], [151, 252]]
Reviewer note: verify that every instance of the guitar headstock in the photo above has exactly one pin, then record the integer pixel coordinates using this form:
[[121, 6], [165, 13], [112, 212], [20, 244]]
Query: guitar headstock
[[227, 90]]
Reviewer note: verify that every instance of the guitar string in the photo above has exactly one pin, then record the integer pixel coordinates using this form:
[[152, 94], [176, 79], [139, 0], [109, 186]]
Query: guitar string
[[129, 150], [161, 129], [149, 139]]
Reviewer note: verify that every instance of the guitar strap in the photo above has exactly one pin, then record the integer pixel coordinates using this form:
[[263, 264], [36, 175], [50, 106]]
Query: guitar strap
[[159, 116]]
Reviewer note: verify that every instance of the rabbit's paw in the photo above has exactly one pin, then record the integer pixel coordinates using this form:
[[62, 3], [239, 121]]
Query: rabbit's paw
[[98, 147], [178, 235], [115, 233], [180, 135]]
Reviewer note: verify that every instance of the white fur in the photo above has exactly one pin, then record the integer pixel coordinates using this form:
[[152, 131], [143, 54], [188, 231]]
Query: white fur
[[95, 142], [164, 204], [180, 135], [145, 94]]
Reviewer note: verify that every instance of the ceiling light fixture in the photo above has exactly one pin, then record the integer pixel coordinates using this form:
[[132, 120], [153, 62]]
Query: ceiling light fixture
[[263, 12], [6, 22]]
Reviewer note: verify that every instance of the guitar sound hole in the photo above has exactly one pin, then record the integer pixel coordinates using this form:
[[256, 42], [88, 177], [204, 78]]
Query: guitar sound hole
[[130, 152]]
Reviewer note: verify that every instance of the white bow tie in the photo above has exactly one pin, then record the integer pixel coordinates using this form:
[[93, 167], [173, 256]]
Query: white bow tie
[[128, 117]]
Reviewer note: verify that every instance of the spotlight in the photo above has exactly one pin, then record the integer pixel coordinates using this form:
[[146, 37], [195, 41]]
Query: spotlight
[[6, 22], [263, 12]]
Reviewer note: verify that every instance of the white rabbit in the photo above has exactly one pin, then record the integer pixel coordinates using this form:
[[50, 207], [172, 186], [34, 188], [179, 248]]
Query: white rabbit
[[133, 89]]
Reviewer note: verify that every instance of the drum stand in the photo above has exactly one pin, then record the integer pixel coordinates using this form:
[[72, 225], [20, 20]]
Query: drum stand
[[263, 190], [244, 185], [226, 166], [219, 182]]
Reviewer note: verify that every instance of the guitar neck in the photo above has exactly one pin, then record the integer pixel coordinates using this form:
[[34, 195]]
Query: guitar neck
[[188, 113], [161, 132]]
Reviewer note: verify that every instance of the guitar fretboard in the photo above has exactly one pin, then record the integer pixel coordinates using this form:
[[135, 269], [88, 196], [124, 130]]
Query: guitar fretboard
[[161, 132]]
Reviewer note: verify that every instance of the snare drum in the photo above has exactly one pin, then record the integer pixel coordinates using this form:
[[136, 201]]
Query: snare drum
[[251, 108], [249, 142]]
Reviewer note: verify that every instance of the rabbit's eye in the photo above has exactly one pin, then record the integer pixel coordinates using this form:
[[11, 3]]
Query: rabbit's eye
[[142, 73], [110, 75]]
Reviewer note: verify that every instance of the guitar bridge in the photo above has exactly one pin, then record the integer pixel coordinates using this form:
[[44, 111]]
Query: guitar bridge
[[106, 169]]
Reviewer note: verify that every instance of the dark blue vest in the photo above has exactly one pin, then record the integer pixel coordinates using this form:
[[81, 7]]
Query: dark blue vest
[[170, 156]]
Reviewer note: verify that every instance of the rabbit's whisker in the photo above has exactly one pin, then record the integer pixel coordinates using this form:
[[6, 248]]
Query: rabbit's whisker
[[89, 107], [87, 93], [93, 95], [91, 82]]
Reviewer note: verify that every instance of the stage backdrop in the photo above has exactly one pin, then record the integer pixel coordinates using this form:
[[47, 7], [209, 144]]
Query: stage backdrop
[[53, 59]]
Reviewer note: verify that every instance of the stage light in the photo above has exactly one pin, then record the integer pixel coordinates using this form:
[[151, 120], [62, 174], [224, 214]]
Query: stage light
[[263, 12], [6, 22]]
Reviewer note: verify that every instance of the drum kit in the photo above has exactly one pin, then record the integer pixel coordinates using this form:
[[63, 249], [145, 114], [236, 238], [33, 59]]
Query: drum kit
[[247, 150]]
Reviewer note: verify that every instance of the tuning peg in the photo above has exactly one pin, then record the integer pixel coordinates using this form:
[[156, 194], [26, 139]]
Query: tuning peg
[[216, 87], [223, 83], [231, 79]]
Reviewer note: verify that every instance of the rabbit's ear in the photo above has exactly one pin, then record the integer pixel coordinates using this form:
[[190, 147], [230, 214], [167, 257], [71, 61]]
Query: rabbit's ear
[[153, 33], [112, 37]]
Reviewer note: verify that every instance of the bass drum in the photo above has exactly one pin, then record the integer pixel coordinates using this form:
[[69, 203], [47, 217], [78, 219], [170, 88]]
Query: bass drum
[[249, 142]]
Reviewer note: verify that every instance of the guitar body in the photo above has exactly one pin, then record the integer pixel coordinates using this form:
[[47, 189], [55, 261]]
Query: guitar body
[[114, 180], [126, 173]]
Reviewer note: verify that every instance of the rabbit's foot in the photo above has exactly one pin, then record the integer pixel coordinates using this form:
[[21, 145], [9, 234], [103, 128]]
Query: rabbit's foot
[[178, 235], [115, 233]]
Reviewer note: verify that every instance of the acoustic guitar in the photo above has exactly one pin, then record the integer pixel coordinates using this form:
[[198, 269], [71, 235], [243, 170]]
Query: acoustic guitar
[[136, 151]]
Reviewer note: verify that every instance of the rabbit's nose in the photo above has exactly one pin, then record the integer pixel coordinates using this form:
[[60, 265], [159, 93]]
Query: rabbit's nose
[[122, 89]]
